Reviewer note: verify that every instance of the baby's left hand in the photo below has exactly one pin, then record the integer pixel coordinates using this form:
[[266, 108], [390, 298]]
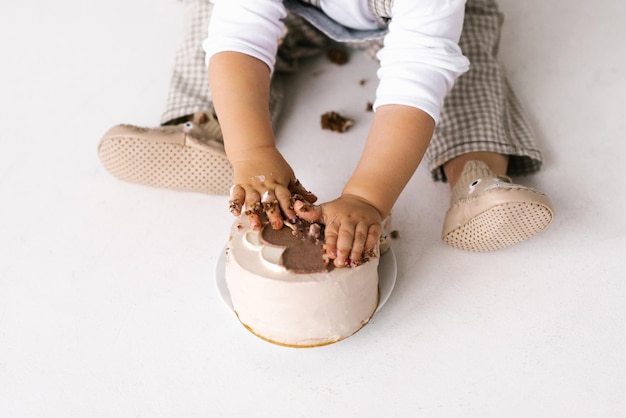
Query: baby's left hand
[[353, 227]]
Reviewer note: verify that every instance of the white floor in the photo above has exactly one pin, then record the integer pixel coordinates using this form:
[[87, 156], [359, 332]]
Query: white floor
[[108, 303]]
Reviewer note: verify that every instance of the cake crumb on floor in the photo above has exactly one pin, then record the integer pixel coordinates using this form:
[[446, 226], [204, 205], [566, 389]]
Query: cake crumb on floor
[[337, 55], [335, 122]]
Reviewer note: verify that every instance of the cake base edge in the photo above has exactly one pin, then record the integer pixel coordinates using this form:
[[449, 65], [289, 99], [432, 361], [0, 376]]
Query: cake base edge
[[322, 344]]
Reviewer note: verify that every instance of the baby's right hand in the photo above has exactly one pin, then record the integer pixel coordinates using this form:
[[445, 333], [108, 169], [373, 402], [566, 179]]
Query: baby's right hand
[[264, 182]]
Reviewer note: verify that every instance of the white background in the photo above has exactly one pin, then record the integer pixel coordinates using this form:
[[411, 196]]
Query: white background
[[108, 304]]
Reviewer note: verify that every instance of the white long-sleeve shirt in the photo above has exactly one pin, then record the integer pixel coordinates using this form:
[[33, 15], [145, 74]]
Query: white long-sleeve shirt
[[419, 62]]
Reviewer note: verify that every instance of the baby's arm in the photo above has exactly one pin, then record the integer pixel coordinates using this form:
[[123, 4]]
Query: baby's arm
[[263, 179], [395, 146], [419, 63]]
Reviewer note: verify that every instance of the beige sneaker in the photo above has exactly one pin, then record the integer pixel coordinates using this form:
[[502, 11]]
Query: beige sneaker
[[185, 157], [492, 213]]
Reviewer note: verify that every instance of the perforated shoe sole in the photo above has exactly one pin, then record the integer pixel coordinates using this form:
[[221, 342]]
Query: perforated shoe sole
[[165, 158], [496, 219]]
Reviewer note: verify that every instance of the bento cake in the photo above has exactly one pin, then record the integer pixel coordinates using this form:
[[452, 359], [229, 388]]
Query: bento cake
[[285, 291]]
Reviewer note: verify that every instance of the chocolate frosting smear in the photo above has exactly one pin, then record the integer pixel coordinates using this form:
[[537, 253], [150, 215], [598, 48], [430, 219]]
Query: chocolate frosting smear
[[303, 243]]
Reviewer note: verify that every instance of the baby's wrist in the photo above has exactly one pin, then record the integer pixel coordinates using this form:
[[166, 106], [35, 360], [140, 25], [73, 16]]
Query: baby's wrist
[[372, 191], [362, 199], [246, 153]]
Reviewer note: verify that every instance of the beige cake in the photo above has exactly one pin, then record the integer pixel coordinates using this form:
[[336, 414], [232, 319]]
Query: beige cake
[[284, 291]]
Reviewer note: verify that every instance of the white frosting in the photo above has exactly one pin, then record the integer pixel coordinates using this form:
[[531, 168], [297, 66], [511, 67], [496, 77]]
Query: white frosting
[[296, 309]]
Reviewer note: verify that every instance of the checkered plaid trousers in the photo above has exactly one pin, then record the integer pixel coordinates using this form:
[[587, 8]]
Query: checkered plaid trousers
[[480, 114]]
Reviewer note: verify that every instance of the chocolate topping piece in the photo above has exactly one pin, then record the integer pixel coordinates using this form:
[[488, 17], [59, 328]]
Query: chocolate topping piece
[[337, 55], [303, 252], [335, 122]]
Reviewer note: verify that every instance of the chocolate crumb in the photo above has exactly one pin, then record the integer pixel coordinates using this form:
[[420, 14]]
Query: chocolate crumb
[[234, 206], [337, 55], [362, 81], [294, 198], [394, 234], [254, 210], [270, 207], [335, 122], [369, 107]]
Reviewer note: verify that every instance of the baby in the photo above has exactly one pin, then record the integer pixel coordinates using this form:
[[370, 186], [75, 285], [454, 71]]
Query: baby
[[424, 48]]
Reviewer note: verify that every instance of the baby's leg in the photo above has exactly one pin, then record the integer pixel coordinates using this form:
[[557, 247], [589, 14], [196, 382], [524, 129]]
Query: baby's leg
[[484, 134], [189, 91], [189, 88], [188, 153], [481, 113]]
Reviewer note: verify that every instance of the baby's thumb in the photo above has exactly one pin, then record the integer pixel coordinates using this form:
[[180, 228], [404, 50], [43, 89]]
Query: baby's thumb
[[308, 212], [298, 188]]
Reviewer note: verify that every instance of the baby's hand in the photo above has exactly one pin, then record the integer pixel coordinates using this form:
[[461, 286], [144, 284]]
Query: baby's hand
[[353, 227], [265, 182]]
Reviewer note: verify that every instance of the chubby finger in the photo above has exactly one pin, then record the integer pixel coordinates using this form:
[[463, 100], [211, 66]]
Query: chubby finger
[[272, 210], [237, 196], [253, 210], [358, 244], [308, 212], [283, 195], [330, 240], [373, 237], [345, 238], [297, 188]]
